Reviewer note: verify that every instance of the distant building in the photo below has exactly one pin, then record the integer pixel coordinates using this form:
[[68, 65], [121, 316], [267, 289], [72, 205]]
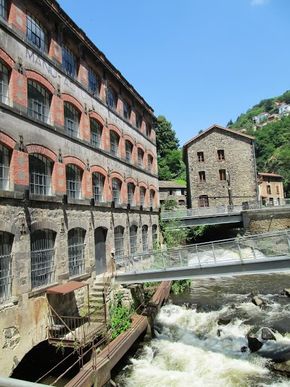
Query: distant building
[[221, 168], [172, 190], [260, 118], [271, 191], [284, 109]]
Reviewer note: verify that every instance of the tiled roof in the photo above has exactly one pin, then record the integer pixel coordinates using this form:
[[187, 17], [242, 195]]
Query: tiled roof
[[266, 174]]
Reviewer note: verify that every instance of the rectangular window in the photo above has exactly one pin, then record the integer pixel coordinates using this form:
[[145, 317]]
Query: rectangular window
[[277, 190], [221, 154], [200, 156], [142, 196], [93, 82], [3, 9], [126, 110], [269, 189], [223, 175], [69, 63], [4, 77], [201, 175], [4, 167], [35, 33], [138, 120], [140, 157]]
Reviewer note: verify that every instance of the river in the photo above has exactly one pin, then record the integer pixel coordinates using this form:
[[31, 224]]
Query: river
[[201, 336]]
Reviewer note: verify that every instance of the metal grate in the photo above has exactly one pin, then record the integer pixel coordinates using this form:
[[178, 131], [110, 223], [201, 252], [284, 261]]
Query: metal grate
[[145, 238], [119, 243], [71, 120], [98, 187], [3, 9], [4, 167], [36, 33], [42, 258], [76, 251], [4, 77], [38, 101], [6, 241], [133, 240], [68, 61], [96, 134], [40, 169], [116, 190]]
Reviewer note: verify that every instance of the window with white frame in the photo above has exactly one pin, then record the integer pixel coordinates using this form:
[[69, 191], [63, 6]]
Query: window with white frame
[[38, 101], [42, 257], [111, 98], [119, 243], [96, 134], [126, 110], [142, 196], [93, 82], [140, 157], [4, 82], [98, 186], [114, 143], [73, 181], [6, 241], [129, 150], [36, 33], [40, 169], [145, 238], [116, 190], [71, 119], [131, 192], [152, 198], [76, 251], [5, 157], [69, 62], [133, 239], [3, 9]]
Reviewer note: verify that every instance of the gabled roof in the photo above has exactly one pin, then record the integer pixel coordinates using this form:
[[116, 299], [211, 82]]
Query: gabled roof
[[212, 128], [266, 174]]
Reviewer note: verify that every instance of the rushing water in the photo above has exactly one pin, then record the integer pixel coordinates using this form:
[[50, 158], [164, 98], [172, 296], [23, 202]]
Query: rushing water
[[201, 337]]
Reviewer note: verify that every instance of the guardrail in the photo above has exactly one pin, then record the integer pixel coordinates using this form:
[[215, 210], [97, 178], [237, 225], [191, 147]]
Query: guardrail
[[238, 250]]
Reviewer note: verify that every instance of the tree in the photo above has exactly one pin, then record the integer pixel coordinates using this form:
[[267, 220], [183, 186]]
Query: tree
[[166, 139]]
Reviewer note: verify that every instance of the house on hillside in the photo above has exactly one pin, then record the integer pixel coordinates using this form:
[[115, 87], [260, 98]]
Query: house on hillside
[[172, 190], [271, 191], [261, 118], [284, 109], [221, 168]]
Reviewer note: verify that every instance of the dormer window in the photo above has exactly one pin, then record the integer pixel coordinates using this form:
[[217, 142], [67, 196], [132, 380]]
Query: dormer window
[[36, 33], [69, 63], [93, 82]]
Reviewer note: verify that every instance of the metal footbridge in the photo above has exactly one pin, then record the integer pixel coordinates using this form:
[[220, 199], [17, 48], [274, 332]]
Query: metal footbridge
[[263, 253]]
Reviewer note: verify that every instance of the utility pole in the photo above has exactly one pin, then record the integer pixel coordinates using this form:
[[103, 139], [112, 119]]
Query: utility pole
[[229, 188]]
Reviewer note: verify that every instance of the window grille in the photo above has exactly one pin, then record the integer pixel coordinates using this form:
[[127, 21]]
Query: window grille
[[98, 187], [154, 236], [133, 239], [111, 99], [145, 238], [71, 119], [36, 33], [114, 143], [5, 156], [42, 258], [126, 110], [6, 241], [73, 181], [3, 9], [138, 120], [142, 196], [131, 191], [140, 157], [4, 77], [152, 196], [76, 251], [93, 82], [69, 63], [116, 190], [40, 168], [203, 201], [38, 101], [96, 134], [119, 243], [129, 149]]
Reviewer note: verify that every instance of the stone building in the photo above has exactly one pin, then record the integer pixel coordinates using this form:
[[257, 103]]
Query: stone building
[[172, 190], [221, 168], [78, 167], [271, 191]]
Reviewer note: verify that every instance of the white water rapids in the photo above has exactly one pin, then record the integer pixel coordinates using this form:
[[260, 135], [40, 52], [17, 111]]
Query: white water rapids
[[192, 349]]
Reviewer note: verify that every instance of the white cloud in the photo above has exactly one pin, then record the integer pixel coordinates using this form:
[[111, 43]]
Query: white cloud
[[259, 2]]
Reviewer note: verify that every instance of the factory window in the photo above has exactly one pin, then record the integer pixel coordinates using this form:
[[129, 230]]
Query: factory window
[[4, 83], [131, 192], [145, 238], [126, 110], [119, 243], [36, 33], [138, 120], [98, 186], [93, 82], [116, 191], [73, 181], [149, 163], [3, 9], [71, 119], [38, 101], [114, 143], [40, 169], [140, 157], [142, 196], [69, 63], [5, 157], [152, 198], [6, 241], [133, 239], [111, 98], [96, 134], [76, 251]]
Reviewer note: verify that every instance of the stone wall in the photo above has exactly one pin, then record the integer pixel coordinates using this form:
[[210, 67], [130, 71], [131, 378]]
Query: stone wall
[[266, 220]]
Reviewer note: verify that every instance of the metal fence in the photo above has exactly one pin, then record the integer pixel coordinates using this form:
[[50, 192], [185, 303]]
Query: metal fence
[[239, 250]]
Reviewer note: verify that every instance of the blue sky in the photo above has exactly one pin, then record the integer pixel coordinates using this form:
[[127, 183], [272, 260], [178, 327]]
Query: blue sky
[[197, 62]]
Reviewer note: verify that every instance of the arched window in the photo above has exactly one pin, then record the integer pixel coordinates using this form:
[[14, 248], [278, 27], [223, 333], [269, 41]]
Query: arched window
[[71, 119], [116, 190], [114, 143], [154, 236], [140, 157], [119, 242], [6, 241], [145, 238], [203, 201], [5, 157], [152, 198], [133, 239], [4, 82], [40, 169], [98, 186], [69, 62], [73, 181], [142, 196], [38, 101], [76, 251], [3, 9], [149, 163], [36, 33], [129, 150], [131, 192], [111, 98], [42, 258], [96, 134]]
